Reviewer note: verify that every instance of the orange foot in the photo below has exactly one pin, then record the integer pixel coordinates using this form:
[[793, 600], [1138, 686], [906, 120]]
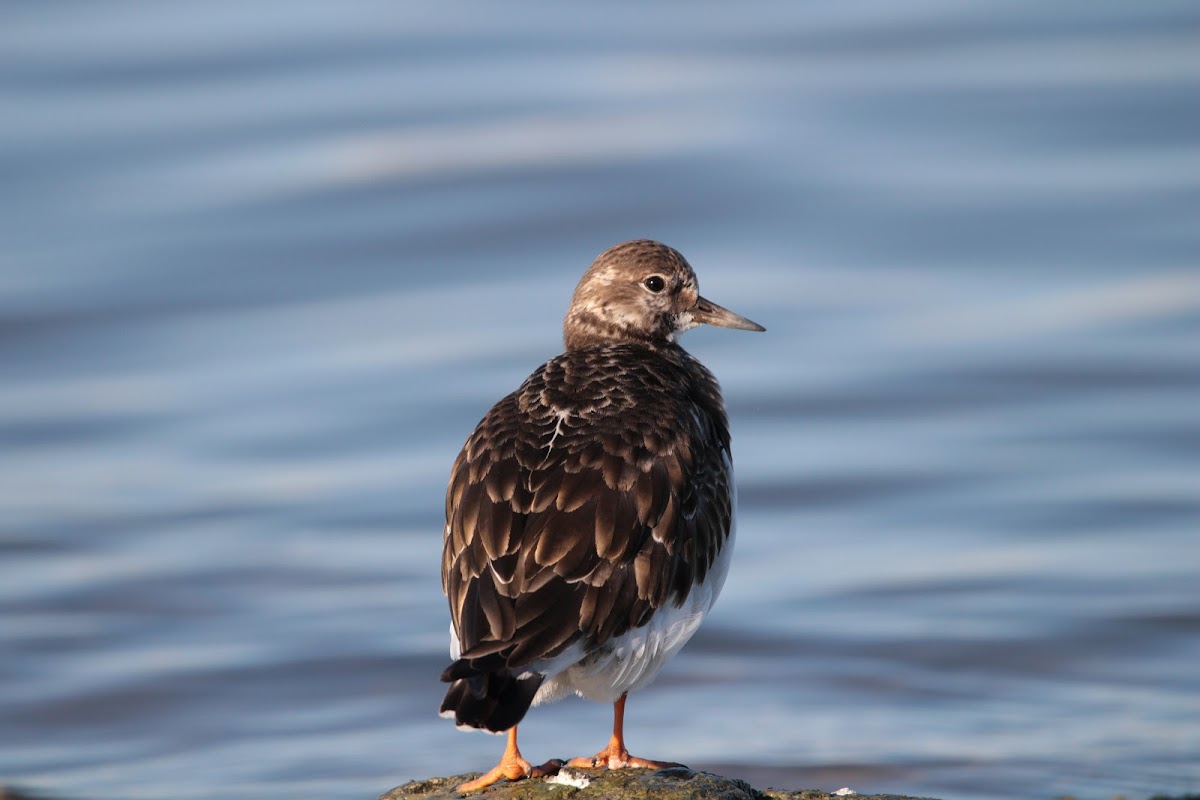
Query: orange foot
[[512, 767], [513, 770], [617, 757]]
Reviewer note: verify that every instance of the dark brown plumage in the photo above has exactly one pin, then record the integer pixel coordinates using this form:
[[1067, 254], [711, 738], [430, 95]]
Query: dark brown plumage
[[591, 501]]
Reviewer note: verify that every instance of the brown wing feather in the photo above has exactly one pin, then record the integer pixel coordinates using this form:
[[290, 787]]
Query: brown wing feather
[[596, 493]]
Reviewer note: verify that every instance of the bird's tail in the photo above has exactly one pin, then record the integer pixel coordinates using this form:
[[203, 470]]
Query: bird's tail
[[492, 700]]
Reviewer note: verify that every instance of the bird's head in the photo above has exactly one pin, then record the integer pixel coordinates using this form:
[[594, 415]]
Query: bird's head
[[641, 291]]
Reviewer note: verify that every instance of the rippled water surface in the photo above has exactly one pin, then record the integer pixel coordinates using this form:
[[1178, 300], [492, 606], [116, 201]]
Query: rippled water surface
[[263, 266]]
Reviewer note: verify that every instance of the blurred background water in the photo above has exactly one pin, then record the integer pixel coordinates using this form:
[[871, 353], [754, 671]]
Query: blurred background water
[[264, 265]]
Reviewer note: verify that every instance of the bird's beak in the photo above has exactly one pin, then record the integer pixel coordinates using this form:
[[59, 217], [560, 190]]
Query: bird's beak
[[706, 312]]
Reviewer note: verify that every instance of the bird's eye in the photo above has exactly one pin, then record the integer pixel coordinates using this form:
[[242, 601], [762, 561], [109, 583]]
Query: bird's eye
[[655, 283]]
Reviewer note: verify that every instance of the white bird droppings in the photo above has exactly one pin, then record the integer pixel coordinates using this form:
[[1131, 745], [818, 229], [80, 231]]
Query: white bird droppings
[[567, 778]]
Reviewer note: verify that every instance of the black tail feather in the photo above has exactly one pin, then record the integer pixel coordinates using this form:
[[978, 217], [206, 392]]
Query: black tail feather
[[493, 701]]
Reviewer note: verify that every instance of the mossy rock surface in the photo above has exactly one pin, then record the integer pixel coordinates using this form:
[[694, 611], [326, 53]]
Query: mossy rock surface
[[676, 783]]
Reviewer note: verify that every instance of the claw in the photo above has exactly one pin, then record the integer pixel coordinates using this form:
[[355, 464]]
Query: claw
[[512, 767], [615, 755]]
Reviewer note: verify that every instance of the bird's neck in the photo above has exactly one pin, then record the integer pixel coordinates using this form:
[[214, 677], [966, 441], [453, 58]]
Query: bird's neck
[[585, 327]]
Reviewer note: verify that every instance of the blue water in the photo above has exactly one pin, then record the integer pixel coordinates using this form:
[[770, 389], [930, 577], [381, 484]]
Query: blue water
[[264, 265]]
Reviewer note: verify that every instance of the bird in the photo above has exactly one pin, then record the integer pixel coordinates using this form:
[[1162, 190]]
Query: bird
[[590, 515]]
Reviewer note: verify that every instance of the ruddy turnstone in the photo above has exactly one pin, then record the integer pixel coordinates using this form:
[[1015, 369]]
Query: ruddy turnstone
[[589, 517]]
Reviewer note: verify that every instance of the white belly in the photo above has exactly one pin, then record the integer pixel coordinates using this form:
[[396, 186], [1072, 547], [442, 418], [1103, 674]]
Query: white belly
[[633, 659]]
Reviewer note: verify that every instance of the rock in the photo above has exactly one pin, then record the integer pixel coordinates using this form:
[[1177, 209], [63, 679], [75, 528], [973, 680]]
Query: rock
[[676, 783]]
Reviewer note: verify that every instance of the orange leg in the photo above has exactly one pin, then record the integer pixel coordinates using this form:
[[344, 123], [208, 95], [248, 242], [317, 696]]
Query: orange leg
[[512, 766], [616, 755]]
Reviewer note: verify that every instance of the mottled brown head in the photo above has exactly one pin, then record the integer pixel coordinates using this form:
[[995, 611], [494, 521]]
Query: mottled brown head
[[641, 291]]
